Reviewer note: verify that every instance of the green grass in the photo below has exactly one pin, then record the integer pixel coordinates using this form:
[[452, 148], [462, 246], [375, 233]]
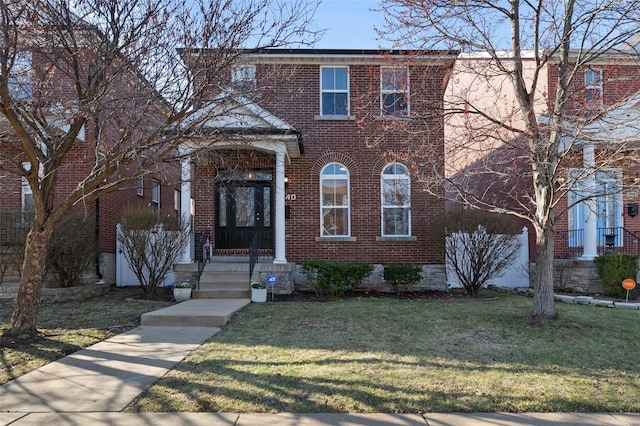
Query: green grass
[[67, 327], [389, 355]]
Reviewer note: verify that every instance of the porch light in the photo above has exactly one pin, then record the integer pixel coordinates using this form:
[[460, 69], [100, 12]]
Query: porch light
[[636, 179]]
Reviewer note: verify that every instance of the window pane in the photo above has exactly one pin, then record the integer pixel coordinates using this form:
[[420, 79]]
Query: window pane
[[335, 221], [334, 104], [222, 208], [395, 192], [394, 103], [328, 79], [395, 169], [28, 205], [245, 208], [395, 221], [341, 79], [266, 200]]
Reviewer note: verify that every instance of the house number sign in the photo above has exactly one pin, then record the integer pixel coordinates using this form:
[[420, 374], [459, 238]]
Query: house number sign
[[290, 197]]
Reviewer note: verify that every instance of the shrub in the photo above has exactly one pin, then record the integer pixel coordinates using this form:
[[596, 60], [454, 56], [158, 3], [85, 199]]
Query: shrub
[[73, 249], [152, 243], [478, 246], [402, 276], [334, 277], [613, 269]]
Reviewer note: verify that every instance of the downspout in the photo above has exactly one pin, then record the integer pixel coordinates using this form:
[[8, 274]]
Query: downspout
[[97, 240]]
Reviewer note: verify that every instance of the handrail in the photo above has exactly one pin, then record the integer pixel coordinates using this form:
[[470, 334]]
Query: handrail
[[620, 239], [253, 251], [203, 252]]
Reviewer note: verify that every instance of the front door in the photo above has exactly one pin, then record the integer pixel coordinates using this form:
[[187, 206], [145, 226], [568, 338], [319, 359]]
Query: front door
[[243, 211]]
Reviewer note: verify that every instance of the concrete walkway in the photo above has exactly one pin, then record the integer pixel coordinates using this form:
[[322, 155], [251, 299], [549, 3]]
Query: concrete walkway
[[93, 386]]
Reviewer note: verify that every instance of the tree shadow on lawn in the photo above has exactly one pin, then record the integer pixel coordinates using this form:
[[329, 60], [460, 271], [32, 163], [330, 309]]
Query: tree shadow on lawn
[[373, 357], [229, 388]]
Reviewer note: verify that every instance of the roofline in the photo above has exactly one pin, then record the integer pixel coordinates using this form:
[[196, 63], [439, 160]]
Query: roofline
[[339, 55]]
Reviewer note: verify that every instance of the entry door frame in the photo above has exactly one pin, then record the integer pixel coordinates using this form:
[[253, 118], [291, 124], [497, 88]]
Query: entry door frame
[[228, 235]]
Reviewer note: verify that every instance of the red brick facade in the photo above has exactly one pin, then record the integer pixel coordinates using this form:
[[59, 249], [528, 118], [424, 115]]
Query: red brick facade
[[365, 142]]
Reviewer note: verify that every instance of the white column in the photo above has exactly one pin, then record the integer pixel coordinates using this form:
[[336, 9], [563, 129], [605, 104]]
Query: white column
[[185, 203], [590, 244], [281, 256]]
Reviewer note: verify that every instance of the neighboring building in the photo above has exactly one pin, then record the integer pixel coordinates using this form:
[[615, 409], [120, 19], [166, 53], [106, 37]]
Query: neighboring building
[[603, 109], [309, 157], [158, 190]]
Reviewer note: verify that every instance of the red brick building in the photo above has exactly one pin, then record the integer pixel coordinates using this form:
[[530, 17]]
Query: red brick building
[[310, 153], [36, 81]]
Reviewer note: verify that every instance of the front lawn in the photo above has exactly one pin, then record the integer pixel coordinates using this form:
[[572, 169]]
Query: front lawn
[[67, 327], [390, 355]]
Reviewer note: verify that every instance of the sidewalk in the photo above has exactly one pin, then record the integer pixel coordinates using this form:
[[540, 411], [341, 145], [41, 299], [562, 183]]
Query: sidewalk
[[93, 386], [323, 419]]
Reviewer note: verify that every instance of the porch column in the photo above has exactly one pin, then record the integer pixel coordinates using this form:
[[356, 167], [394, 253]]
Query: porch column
[[281, 256], [590, 244], [185, 204]]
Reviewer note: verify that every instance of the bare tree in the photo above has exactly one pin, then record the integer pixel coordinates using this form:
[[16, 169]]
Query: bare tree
[[151, 244], [101, 85], [515, 121], [479, 247]]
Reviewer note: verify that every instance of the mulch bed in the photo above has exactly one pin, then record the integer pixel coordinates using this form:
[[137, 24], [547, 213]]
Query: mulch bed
[[304, 296]]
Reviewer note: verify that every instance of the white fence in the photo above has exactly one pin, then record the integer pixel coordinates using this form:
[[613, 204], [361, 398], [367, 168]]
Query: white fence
[[125, 275], [517, 275]]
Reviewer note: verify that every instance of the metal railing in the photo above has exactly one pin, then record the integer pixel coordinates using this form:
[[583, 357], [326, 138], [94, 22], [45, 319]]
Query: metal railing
[[253, 251], [617, 239], [202, 251]]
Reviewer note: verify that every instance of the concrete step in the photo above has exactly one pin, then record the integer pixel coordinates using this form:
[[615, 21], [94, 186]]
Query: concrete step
[[196, 313], [224, 277], [222, 293]]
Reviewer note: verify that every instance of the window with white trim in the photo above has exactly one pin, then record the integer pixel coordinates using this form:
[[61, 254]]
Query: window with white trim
[[155, 195], [27, 194], [177, 201], [334, 91], [396, 200], [334, 200], [394, 91], [593, 85], [140, 186], [244, 76]]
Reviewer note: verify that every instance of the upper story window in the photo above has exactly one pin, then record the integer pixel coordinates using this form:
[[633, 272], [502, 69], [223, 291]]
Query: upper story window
[[334, 91], [20, 78], [394, 91], [593, 85], [155, 195], [396, 200], [244, 76], [334, 200]]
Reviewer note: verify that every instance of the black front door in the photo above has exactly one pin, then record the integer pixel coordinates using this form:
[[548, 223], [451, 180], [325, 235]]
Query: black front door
[[243, 210]]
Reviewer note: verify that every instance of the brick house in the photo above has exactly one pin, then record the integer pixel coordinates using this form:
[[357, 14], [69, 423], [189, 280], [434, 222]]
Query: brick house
[[159, 189], [307, 158], [603, 109]]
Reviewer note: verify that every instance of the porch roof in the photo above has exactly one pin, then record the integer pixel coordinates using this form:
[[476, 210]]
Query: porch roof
[[230, 119]]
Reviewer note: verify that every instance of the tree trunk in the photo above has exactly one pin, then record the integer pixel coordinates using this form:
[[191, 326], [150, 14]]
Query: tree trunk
[[25, 314], [543, 302]]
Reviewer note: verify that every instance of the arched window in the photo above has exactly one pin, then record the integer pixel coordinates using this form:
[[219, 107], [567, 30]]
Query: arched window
[[396, 200], [334, 201]]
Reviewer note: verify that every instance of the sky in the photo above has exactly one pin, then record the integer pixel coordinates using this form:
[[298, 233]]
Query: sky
[[349, 24]]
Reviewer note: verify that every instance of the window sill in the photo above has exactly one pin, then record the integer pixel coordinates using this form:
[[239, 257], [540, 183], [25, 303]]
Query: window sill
[[336, 239], [397, 238], [334, 117], [394, 117]]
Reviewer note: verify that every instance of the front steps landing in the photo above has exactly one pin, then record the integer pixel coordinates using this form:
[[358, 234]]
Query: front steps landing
[[196, 313]]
